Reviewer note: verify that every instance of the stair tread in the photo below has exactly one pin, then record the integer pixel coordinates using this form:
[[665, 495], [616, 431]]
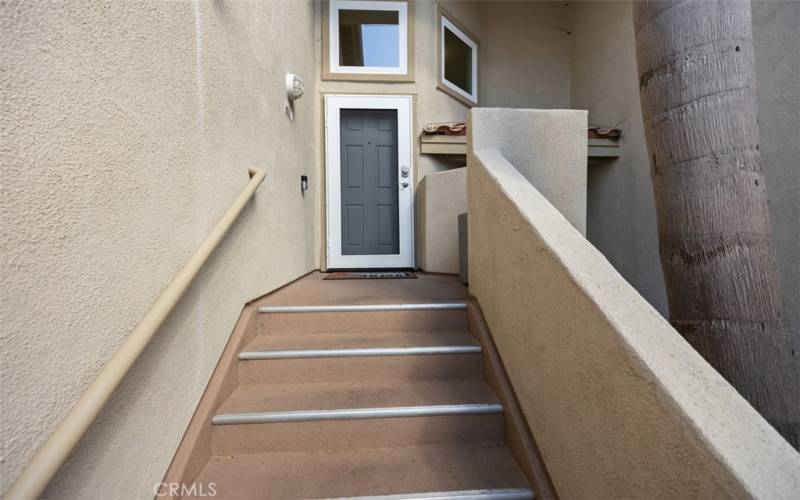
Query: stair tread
[[347, 395], [359, 340], [360, 472]]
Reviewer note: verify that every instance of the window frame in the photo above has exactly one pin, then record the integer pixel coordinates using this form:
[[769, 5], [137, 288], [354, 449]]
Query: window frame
[[446, 20], [332, 70]]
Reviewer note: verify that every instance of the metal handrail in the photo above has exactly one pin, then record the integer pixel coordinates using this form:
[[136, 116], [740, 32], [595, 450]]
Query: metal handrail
[[52, 454]]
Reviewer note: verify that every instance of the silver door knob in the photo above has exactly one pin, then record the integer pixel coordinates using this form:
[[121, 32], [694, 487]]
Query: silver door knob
[[404, 184], [404, 171]]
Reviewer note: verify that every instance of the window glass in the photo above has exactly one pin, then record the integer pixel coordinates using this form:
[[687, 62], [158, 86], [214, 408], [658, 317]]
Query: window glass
[[457, 61], [369, 38]]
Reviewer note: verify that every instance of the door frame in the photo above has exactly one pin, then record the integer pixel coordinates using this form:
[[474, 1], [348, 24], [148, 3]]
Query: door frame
[[334, 103]]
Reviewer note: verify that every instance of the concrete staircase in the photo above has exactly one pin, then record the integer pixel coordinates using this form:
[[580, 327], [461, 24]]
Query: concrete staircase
[[385, 401]]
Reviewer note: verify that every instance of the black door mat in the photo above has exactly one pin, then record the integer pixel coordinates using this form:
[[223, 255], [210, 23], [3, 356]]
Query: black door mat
[[371, 275]]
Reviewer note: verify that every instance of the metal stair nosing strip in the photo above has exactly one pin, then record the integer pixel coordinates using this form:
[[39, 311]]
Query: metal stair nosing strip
[[360, 352], [494, 494], [431, 306], [357, 413]]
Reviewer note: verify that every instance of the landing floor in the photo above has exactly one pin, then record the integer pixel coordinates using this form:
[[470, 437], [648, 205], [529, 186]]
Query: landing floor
[[312, 289]]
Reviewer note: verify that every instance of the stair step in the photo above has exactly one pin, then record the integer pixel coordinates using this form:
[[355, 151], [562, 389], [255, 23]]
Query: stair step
[[348, 340], [262, 418], [465, 362], [353, 353], [354, 369], [258, 365], [494, 494], [405, 470], [362, 394], [362, 318]]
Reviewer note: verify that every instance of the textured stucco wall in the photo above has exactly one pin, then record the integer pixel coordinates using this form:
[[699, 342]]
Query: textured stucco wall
[[622, 222], [526, 53], [776, 37], [441, 198], [620, 405], [127, 131], [543, 147]]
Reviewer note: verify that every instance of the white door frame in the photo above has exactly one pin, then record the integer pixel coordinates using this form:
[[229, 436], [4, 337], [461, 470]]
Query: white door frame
[[333, 201]]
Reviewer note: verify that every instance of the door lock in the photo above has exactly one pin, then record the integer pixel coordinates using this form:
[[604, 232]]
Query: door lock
[[404, 170], [404, 184]]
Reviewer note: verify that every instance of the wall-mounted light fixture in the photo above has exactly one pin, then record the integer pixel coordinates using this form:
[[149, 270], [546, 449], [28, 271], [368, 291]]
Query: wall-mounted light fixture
[[294, 91], [303, 183]]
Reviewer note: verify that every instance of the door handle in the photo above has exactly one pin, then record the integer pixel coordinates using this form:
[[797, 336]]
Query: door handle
[[404, 184], [404, 170]]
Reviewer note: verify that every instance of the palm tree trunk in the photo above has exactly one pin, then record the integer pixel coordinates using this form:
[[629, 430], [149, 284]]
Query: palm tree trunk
[[697, 87]]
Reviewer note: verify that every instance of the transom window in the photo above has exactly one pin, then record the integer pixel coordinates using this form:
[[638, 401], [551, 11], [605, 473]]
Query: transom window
[[457, 60], [367, 38]]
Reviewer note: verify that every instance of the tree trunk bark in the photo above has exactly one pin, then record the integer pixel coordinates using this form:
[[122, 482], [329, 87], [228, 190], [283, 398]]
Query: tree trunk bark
[[697, 87]]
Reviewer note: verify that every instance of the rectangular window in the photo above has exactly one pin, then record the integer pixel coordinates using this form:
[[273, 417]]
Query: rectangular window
[[457, 60], [367, 38]]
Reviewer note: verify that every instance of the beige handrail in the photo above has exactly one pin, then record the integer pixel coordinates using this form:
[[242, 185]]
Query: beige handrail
[[52, 454]]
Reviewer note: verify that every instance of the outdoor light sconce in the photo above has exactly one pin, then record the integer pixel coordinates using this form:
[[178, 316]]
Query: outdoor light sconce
[[294, 90], [303, 183]]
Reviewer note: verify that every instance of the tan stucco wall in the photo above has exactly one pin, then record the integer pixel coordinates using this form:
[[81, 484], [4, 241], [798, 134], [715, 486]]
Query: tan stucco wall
[[543, 147], [526, 54], [621, 209], [776, 37], [620, 405], [127, 132], [441, 198]]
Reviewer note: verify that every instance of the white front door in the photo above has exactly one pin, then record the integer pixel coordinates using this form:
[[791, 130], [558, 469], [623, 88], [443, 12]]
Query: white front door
[[369, 178]]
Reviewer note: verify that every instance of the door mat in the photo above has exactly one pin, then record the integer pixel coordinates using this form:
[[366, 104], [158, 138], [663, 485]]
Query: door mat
[[371, 275]]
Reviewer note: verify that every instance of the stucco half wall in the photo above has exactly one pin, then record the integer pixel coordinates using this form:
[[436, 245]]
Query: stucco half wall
[[127, 131], [441, 198], [620, 405]]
